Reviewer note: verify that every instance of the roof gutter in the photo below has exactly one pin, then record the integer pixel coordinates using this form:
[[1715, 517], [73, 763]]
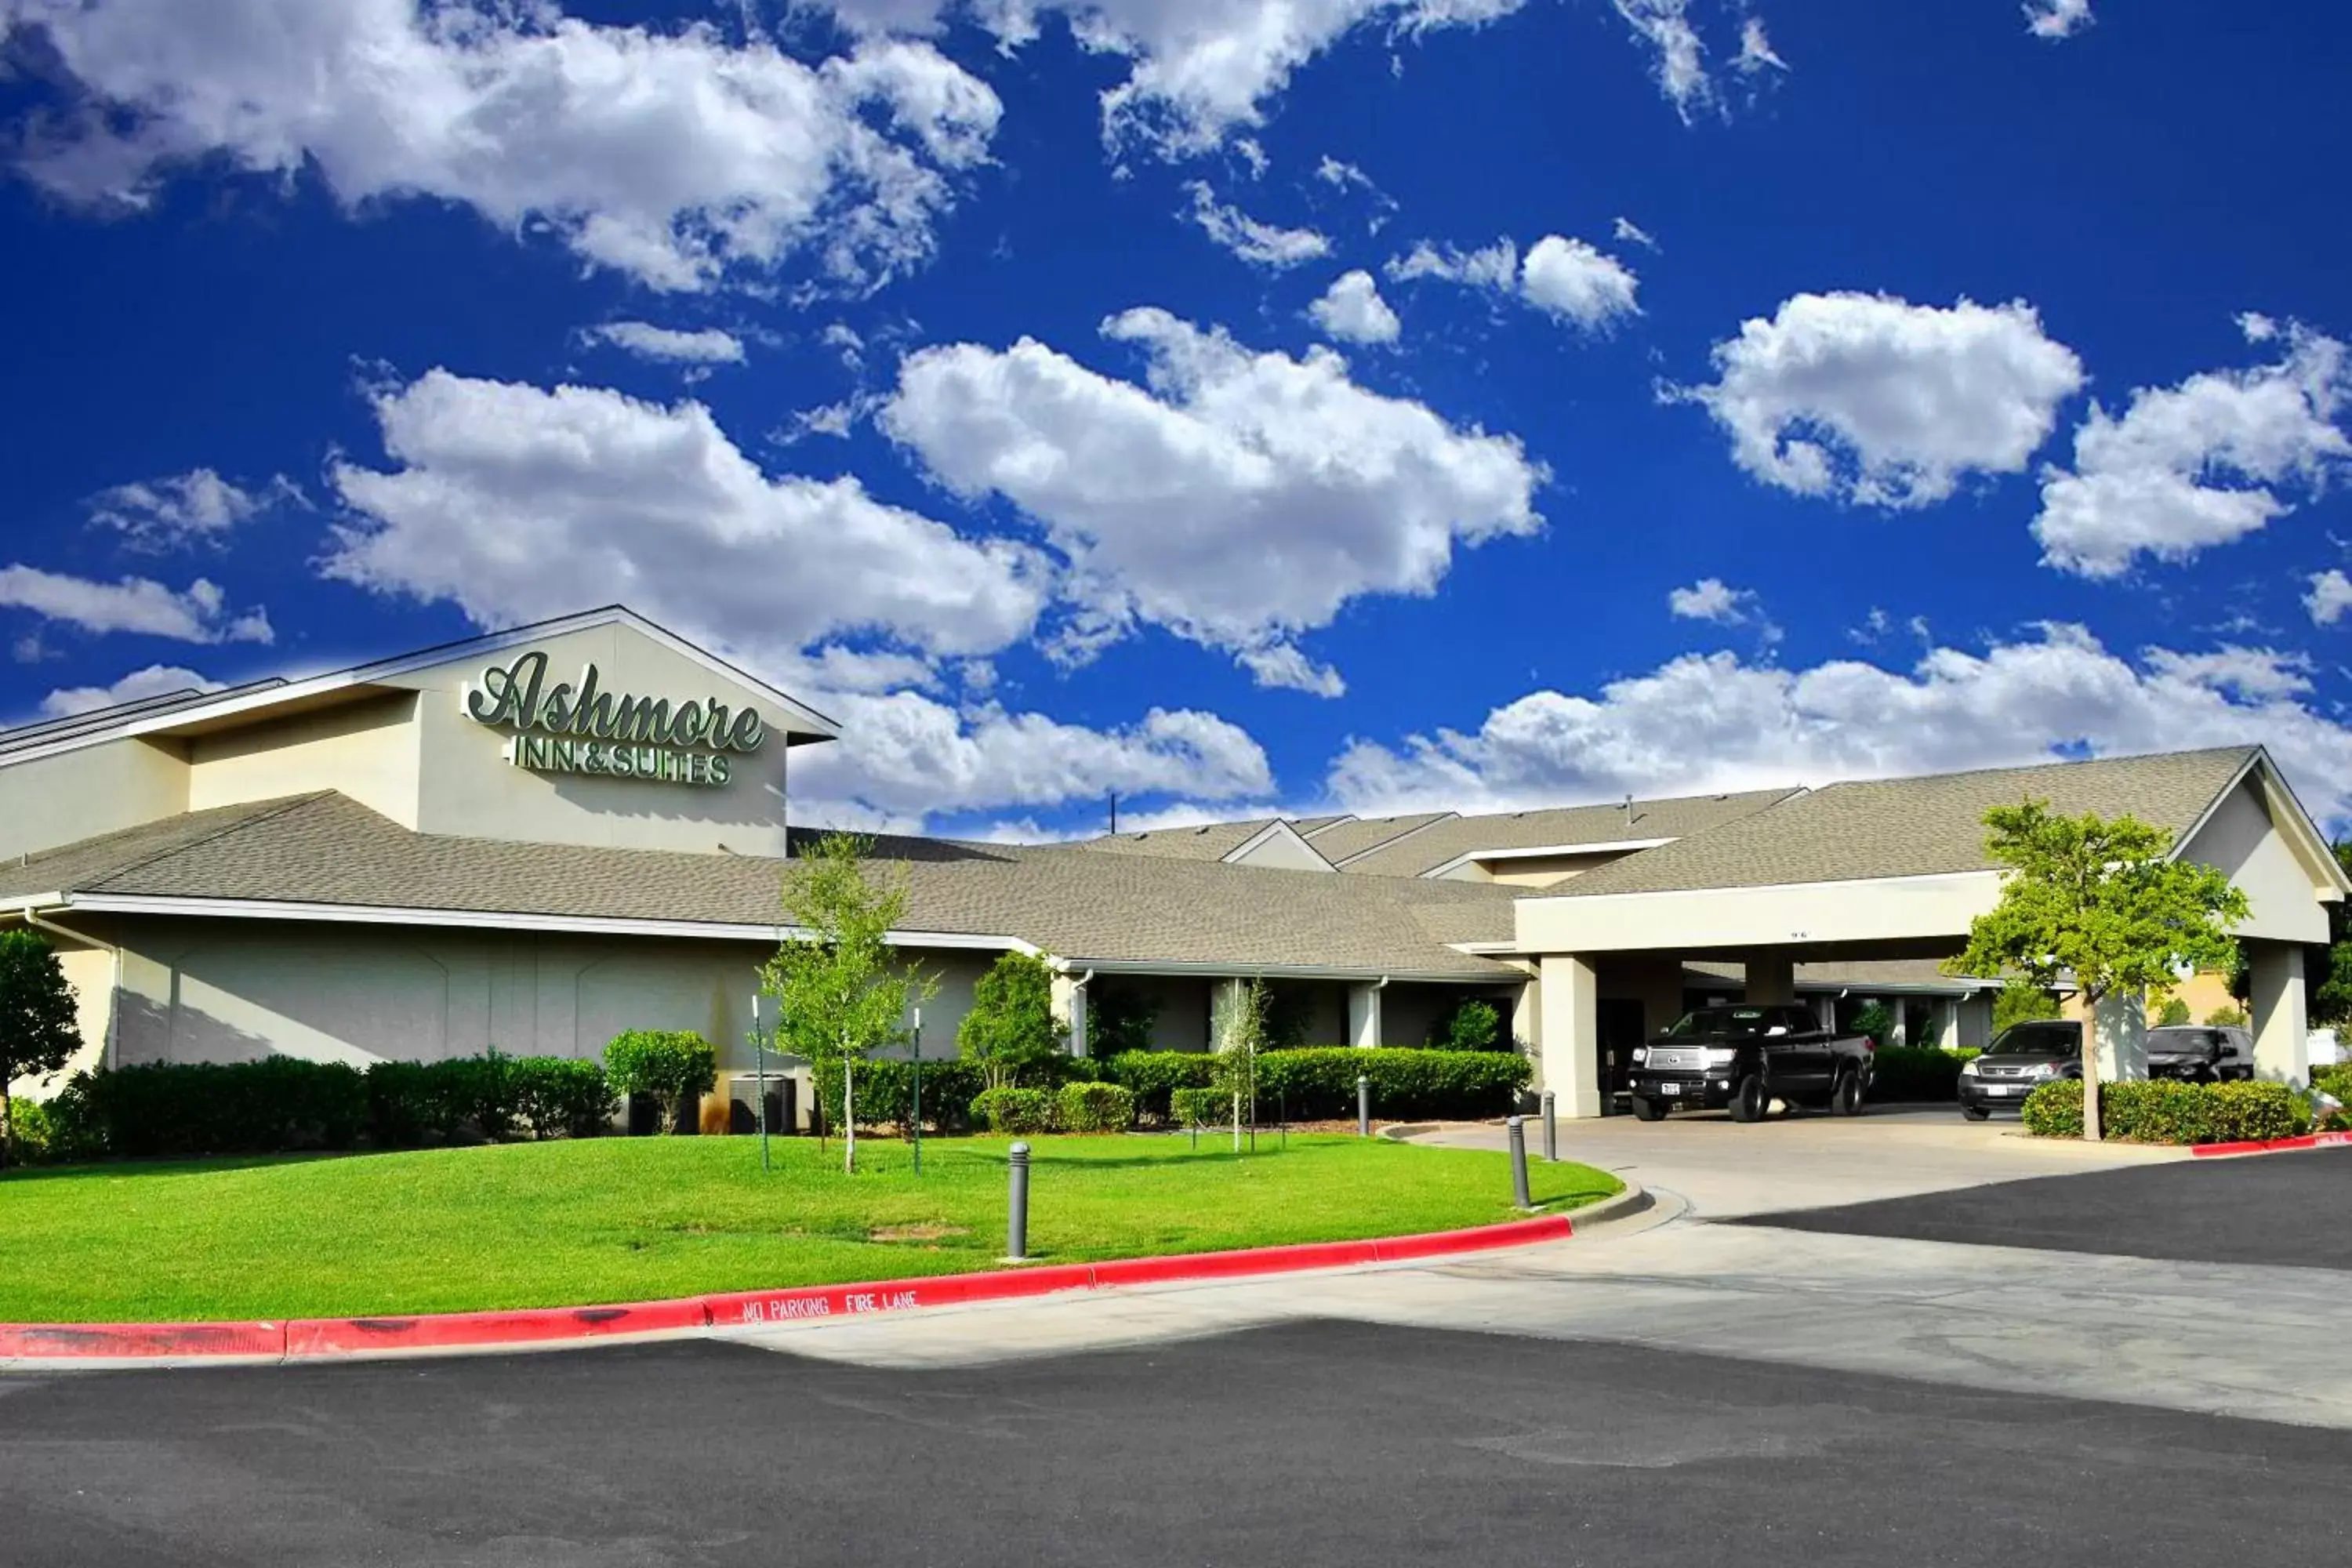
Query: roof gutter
[[1231, 971]]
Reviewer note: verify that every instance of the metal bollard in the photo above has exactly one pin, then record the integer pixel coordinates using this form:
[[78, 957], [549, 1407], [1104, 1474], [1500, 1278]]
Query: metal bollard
[[1551, 1132], [1016, 1212], [1518, 1126], [1363, 1106]]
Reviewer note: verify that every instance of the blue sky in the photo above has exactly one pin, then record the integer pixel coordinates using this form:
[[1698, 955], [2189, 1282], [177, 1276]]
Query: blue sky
[[1337, 404]]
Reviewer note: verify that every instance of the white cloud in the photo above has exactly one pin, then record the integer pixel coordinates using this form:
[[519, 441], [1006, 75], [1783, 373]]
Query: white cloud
[[1237, 498], [1567, 278], [1352, 310], [1628, 232], [1259, 244], [1342, 175], [1665, 27], [1756, 52], [2056, 20], [667, 156], [1872, 399], [669, 346], [515, 502], [197, 507], [1281, 666], [139, 605], [2330, 597], [1708, 599], [1576, 283], [1702, 724], [2193, 465], [156, 680], [905, 757]]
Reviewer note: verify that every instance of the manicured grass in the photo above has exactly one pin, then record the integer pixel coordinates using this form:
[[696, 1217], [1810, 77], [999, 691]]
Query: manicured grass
[[622, 1219]]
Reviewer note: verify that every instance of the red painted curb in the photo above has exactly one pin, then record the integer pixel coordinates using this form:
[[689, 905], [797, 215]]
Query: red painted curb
[[319, 1338], [2272, 1146]]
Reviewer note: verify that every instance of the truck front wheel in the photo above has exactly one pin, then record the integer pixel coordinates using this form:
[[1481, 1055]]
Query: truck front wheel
[[1647, 1110], [1749, 1102]]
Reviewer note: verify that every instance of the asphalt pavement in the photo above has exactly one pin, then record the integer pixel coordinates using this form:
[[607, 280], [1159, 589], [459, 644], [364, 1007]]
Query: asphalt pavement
[[1311, 1443], [2276, 1209]]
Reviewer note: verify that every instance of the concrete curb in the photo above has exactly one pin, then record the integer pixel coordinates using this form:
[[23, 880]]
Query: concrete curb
[[91, 1346], [2272, 1146]]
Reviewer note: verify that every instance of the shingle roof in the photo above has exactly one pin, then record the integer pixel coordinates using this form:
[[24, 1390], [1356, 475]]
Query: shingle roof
[[1209, 841], [1444, 842], [1358, 834], [1306, 824], [328, 849], [1911, 827]]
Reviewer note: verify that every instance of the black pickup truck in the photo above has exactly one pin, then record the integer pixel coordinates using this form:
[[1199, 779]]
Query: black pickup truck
[[1744, 1059]]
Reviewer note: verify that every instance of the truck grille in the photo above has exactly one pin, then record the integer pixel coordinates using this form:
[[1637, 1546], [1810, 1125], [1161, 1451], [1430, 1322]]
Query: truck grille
[[1677, 1061]]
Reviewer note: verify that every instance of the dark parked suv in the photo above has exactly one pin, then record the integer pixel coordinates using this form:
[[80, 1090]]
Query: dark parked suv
[[1743, 1058], [2021, 1059]]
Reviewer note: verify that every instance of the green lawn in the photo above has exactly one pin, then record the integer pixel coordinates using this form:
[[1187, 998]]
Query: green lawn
[[622, 1219]]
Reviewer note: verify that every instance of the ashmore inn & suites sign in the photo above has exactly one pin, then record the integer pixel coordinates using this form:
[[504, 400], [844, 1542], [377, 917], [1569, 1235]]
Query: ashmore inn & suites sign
[[569, 729]]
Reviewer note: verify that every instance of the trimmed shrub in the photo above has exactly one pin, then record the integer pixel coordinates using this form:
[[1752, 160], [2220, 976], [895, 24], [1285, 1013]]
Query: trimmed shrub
[[1094, 1108], [1153, 1075], [1319, 1083], [885, 1091], [668, 1065], [1201, 1106], [1017, 1110], [562, 1097], [2175, 1013], [1917, 1073], [246, 1108], [1875, 1020], [2165, 1112], [1470, 1025], [29, 1122], [2336, 1083]]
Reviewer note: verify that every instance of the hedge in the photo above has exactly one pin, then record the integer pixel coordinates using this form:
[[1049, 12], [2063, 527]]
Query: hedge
[[1094, 1108], [1013, 1110], [1319, 1083], [283, 1104], [886, 1093], [2162, 1112], [1201, 1106], [1917, 1073], [1153, 1075]]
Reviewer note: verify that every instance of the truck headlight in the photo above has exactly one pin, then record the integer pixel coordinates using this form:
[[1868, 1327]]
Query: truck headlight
[[1722, 1057], [1641, 1055]]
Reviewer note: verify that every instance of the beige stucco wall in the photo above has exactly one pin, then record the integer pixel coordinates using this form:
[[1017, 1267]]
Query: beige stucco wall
[[2240, 840], [1545, 870], [1284, 852], [469, 788], [367, 749], [49, 801]]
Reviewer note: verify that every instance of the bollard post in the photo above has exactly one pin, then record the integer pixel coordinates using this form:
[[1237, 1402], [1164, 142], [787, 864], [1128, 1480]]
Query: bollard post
[[1016, 1212], [1518, 1126], [1551, 1132], [1363, 1106]]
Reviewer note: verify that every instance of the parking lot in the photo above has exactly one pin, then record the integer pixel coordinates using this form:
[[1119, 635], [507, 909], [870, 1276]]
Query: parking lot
[[1722, 1168]]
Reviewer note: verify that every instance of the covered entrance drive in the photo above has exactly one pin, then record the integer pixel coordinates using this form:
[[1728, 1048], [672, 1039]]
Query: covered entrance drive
[[1893, 873]]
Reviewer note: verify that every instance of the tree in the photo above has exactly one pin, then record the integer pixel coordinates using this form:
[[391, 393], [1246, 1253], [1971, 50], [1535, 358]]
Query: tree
[[1876, 1022], [2331, 999], [2022, 1001], [37, 1032], [841, 993], [1120, 1020], [1012, 1030], [669, 1066], [1469, 1026], [2104, 902], [1240, 1036], [2176, 1011]]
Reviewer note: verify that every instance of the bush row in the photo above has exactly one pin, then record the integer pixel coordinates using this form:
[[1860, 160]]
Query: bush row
[[282, 1104], [1917, 1073], [1076, 1106], [1318, 1083], [2165, 1112]]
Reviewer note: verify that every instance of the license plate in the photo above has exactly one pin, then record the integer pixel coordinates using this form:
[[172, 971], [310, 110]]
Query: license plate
[[1670, 1089], [2005, 1089]]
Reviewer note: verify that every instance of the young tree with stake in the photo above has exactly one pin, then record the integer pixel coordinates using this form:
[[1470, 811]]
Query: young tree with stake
[[37, 1032], [2103, 901], [841, 993]]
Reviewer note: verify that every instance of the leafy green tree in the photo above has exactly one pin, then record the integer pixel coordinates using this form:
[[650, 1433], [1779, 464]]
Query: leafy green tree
[[841, 993], [2226, 1018], [2176, 1011], [2023, 1002], [1011, 1030], [1876, 1022], [2101, 900], [1119, 1019], [1469, 1026], [1289, 1015], [37, 1031]]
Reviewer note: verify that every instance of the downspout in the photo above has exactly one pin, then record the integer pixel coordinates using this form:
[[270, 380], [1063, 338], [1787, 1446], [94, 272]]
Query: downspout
[[1084, 1042], [114, 998]]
